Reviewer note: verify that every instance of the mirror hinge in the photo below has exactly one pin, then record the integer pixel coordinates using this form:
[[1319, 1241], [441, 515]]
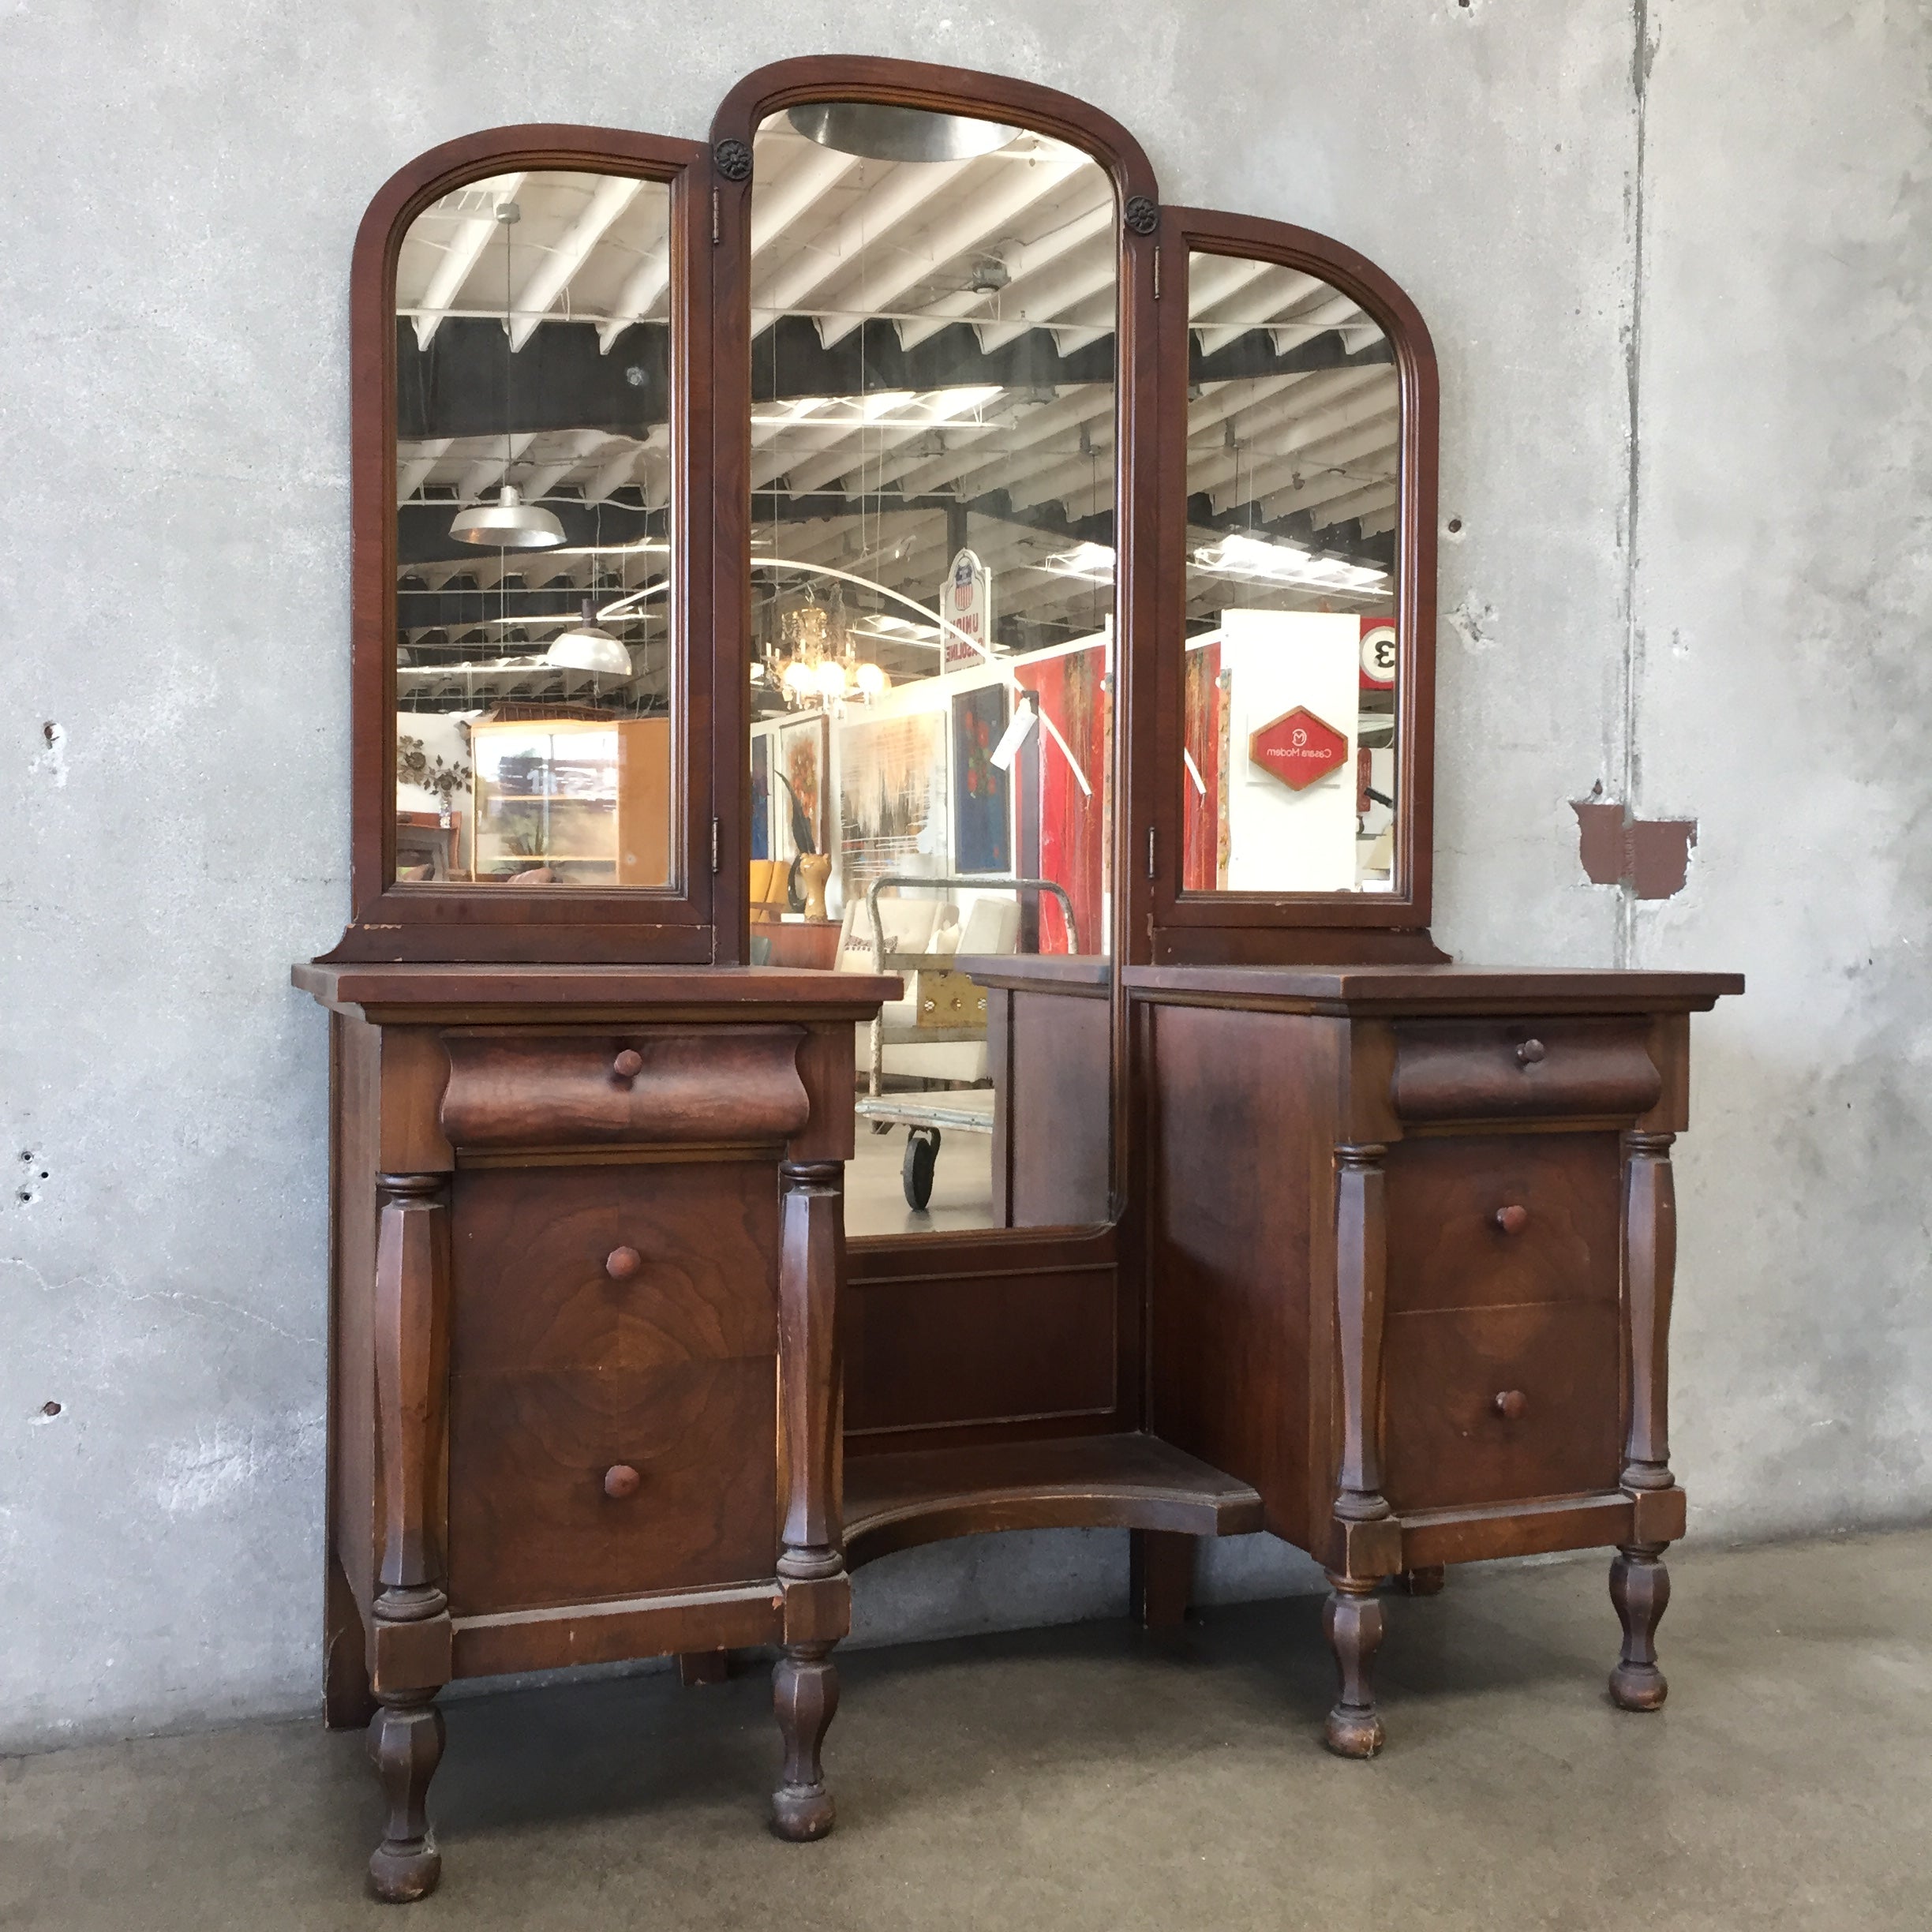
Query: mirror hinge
[[1149, 851], [714, 217], [714, 845], [1157, 271]]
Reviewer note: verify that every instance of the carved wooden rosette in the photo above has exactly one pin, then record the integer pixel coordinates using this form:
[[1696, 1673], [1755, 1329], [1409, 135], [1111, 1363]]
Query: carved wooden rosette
[[409, 1638], [811, 1564]]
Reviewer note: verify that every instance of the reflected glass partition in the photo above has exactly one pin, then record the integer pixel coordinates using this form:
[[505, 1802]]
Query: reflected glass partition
[[932, 425], [1294, 420], [534, 682]]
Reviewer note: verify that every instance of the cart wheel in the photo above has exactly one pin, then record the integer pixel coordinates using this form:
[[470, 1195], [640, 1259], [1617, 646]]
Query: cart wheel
[[922, 1151], [882, 1127]]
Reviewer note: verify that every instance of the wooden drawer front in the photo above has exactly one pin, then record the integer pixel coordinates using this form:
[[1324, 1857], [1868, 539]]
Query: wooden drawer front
[[716, 1086], [1528, 1070], [532, 1260], [1494, 1220], [530, 1523], [1445, 1442]]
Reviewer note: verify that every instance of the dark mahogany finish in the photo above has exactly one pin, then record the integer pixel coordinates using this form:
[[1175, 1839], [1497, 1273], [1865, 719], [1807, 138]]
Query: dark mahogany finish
[[584, 1364], [1463, 1288], [1306, 1230]]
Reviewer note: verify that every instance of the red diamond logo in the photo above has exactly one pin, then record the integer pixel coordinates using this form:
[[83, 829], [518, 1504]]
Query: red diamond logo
[[1298, 748]]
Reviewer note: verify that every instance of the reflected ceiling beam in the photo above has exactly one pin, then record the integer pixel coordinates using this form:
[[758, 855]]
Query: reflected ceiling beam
[[487, 471], [1239, 475], [1022, 260], [788, 180], [643, 290], [1041, 297], [555, 267], [1314, 459], [863, 227], [462, 254], [1217, 322], [1007, 196], [415, 463], [1377, 496], [1365, 453], [548, 472]]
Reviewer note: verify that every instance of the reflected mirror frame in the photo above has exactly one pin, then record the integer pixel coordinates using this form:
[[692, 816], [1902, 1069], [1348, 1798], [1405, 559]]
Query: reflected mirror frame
[[496, 922], [1185, 925]]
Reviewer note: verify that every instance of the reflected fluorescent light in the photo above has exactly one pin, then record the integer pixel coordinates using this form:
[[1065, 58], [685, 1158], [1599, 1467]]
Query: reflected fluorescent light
[[1254, 559], [878, 131], [1093, 561], [902, 408]]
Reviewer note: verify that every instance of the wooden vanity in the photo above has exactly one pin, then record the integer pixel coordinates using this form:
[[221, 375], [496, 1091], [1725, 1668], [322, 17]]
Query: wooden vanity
[[1292, 1225]]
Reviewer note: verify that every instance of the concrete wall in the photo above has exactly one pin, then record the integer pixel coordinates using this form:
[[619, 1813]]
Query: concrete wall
[[1675, 263]]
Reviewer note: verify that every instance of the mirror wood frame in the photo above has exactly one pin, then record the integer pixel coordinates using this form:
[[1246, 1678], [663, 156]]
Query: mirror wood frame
[[1298, 928], [499, 923]]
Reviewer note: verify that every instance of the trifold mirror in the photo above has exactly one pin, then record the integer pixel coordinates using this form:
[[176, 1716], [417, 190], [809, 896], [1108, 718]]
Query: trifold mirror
[[887, 537]]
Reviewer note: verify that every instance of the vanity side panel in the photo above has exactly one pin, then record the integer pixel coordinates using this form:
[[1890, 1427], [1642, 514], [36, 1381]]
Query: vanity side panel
[[1239, 1139]]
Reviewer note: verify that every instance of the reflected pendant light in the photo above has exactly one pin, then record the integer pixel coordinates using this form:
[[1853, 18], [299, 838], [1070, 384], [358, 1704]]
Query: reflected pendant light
[[586, 646], [879, 133], [509, 523]]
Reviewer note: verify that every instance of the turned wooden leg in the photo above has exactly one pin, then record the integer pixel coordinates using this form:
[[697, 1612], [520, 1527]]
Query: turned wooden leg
[[805, 1694], [1426, 1581], [405, 1742], [1160, 1570], [1640, 1588], [1353, 1622]]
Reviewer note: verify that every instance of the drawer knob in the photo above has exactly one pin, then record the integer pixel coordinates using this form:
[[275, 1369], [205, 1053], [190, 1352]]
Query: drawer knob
[[1512, 1219], [620, 1479], [630, 1064], [1512, 1405], [621, 1263], [1530, 1053]]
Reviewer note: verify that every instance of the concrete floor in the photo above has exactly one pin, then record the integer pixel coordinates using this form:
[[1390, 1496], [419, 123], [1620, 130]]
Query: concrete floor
[[1088, 1777]]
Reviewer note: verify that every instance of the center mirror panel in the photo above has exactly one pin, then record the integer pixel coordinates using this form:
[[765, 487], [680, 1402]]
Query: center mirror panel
[[534, 687], [1289, 779], [933, 308]]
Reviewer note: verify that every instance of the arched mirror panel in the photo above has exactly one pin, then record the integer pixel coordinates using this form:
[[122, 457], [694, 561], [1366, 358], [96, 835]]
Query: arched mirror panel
[[524, 661], [1293, 762], [934, 633]]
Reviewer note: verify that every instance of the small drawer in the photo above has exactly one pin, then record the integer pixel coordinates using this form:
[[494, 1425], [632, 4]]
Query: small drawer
[[1523, 1069], [533, 1521], [614, 1267], [716, 1086], [1495, 1220], [1501, 1405]]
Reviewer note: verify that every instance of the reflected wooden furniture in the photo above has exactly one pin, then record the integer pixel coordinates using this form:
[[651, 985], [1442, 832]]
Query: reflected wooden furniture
[[589, 798], [584, 1387]]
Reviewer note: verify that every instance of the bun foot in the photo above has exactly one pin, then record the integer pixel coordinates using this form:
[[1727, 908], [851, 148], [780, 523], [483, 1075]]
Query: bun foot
[[1638, 1687], [1352, 1619], [1354, 1733], [802, 1813], [1640, 1589], [805, 1695], [401, 1874], [406, 1741]]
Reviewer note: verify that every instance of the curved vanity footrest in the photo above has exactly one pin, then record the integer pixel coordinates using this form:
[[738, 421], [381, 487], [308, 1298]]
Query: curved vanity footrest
[[893, 1502]]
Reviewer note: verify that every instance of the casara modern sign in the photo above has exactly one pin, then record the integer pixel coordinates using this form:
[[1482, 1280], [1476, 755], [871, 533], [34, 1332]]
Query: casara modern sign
[[1298, 748]]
